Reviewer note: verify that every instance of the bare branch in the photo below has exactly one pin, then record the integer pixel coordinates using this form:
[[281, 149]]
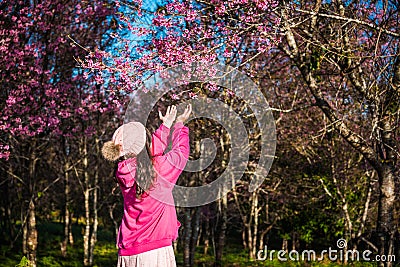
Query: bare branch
[[351, 20]]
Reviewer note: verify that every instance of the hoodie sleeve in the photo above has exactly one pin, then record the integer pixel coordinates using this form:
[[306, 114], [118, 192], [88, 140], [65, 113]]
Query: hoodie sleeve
[[171, 165], [159, 140]]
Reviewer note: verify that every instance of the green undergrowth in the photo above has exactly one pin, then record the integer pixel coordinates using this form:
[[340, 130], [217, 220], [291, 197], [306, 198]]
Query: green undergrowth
[[49, 252]]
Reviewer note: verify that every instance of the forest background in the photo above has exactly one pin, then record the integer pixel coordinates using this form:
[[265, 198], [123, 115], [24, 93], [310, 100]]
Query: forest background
[[330, 71]]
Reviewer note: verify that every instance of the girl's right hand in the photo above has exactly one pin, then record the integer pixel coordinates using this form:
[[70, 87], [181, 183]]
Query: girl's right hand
[[169, 117]]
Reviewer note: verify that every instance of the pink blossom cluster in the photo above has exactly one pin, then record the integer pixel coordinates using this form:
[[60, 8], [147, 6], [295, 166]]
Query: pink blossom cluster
[[185, 32], [4, 151], [43, 91]]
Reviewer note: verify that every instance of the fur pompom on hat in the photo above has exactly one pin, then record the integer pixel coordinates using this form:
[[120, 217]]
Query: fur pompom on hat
[[110, 151], [130, 138]]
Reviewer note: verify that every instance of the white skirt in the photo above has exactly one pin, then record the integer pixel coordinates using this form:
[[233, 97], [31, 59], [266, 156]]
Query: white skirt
[[160, 257]]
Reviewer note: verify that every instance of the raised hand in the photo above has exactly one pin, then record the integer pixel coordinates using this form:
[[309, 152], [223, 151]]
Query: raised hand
[[183, 117], [169, 117]]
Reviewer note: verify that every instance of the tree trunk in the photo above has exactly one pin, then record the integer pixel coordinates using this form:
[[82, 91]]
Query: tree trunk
[[222, 230], [285, 245], [31, 231], [195, 234], [255, 225], [86, 236], [64, 243], [186, 238], [111, 213], [385, 226], [24, 235], [32, 234], [252, 225], [71, 236], [223, 206], [93, 238], [7, 225], [192, 221], [295, 239], [244, 243], [207, 235]]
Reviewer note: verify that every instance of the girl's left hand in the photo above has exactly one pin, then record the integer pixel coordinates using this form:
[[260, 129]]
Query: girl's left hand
[[185, 115], [169, 117]]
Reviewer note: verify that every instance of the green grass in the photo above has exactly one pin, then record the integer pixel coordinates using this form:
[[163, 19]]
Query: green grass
[[105, 256], [49, 252]]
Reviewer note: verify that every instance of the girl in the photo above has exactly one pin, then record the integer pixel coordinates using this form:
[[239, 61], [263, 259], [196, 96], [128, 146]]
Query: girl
[[146, 176]]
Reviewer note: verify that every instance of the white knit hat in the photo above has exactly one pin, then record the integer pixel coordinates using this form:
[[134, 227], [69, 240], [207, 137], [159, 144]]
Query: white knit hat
[[129, 138]]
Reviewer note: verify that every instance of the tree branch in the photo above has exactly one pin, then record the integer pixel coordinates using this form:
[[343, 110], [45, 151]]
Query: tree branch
[[355, 140], [350, 20]]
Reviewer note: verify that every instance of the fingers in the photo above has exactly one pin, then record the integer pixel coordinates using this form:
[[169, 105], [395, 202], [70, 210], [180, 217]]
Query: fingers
[[171, 111], [185, 115], [188, 109]]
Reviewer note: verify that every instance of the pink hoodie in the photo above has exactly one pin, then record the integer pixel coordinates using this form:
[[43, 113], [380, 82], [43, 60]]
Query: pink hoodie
[[150, 223]]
